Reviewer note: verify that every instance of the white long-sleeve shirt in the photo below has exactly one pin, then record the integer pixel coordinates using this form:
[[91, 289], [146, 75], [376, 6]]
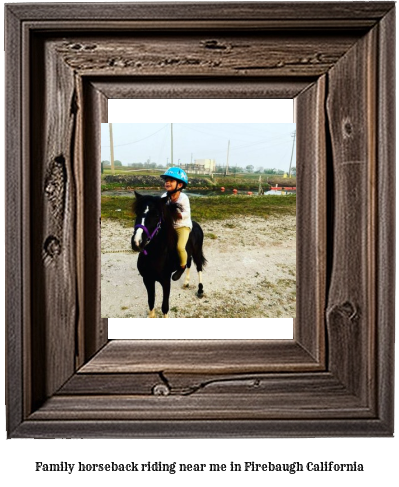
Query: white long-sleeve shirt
[[185, 220]]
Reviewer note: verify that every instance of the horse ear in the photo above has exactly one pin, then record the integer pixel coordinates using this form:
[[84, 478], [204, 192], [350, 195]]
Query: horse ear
[[137, 195]]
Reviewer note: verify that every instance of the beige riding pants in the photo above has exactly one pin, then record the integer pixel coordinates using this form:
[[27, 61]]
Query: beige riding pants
[[182, 236]]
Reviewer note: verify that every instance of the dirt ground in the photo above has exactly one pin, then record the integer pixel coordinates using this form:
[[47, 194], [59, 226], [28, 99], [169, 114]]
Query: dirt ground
[[250, 273]]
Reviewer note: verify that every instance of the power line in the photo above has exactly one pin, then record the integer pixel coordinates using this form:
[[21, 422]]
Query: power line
[[139, 140]]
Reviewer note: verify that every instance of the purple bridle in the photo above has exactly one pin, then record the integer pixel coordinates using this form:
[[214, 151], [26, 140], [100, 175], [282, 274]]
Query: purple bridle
[[150, 236]]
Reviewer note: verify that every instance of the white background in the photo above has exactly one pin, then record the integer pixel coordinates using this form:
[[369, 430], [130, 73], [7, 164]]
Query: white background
[[379, 455]]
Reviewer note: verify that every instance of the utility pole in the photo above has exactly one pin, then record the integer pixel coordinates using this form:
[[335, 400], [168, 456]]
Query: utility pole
[[226, 172], [292, 153], [111, 139], [260, 190], [171, 144]]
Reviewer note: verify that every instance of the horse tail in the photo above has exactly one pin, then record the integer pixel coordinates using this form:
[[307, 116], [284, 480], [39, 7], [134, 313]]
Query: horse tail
[[201, 257], [200, 260], [203, 260], [197, 240]]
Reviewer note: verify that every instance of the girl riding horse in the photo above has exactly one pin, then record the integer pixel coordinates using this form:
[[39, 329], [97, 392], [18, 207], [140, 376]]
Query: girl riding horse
[[162, 236], [176, 180]]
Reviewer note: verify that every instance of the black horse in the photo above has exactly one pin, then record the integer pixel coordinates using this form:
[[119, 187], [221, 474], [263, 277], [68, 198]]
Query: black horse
[[155, 238]]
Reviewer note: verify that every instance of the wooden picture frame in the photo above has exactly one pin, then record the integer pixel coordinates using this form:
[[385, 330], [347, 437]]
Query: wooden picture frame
[[335, 378]]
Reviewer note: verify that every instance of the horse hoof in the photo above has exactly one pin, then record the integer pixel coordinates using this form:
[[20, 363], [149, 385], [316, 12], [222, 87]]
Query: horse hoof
[[151, 314], [166, 316], [186, 286], [200, 292]]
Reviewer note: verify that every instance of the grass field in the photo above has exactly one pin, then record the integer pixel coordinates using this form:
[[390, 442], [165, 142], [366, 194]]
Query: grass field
[[241, 182], [209, 208]]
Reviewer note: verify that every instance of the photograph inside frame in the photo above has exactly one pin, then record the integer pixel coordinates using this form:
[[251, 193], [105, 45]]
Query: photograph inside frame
[[198, 220]]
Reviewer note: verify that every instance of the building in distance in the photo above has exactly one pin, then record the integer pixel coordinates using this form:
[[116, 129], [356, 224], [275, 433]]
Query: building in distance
[[200, 166]]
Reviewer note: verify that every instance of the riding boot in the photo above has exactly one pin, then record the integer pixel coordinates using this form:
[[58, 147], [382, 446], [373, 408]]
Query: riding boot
[[177, 275]]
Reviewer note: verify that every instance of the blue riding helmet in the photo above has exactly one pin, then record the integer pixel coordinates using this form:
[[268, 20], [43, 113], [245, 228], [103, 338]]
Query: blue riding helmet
[[176, 173]]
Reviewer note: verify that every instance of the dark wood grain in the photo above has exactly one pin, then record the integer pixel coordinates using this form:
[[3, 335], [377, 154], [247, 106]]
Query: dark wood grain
[[201, 356], [173, 87], [385, 245], [190, 428], [351, 109], [185, 384], [112, 384], [208, 11], [311, 218], [335, 378], [204, 407], [94, 331], [218, 55], [16, 264], [53, 216]]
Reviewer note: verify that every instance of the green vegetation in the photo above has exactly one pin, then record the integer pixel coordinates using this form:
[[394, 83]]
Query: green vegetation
[[130, 170], [224, 207], [209, 208], [117, 208], [113, 187], [239, 181], [248, 181]]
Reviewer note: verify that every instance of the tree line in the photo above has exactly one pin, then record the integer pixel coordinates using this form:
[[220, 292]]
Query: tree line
[[250, 169]]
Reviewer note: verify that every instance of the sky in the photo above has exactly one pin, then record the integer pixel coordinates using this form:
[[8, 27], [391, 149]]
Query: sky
[[266, 145]]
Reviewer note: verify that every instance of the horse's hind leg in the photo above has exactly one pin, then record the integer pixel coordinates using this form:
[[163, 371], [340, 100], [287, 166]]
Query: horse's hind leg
[[150, 286], [196, 241], [200, 285], [199, 263], [187, 279]]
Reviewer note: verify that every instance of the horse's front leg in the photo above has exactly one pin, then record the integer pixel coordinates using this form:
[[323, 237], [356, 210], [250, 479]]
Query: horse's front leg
[[187, 280], [165, 300], [150, 286]]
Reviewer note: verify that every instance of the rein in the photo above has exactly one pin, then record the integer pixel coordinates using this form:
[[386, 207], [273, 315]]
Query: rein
[[150, 236]]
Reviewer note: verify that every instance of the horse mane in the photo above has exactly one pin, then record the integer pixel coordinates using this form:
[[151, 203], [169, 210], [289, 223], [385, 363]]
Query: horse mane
[[170, 213]]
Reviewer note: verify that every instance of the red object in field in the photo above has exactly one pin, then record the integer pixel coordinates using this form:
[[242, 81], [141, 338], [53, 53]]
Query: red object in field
[[276, 188], [234, 191], [250, 192], [222, 188]]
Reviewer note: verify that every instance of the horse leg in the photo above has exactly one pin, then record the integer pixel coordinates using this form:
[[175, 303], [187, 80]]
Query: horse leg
[[150, 286], [187, 279], [165, 300], [196, 242], [200, 285], [199, 262]]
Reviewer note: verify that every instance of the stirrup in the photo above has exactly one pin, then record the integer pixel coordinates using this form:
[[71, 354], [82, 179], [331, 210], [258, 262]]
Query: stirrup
[[177, 275]]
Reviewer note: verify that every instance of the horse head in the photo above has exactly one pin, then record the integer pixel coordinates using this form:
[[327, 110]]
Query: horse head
[[152, 214]]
